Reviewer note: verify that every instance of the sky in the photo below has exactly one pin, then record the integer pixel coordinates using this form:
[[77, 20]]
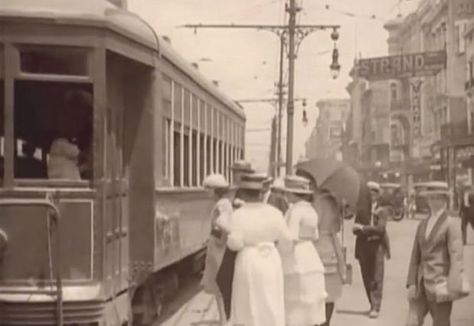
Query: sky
[[245, 62]]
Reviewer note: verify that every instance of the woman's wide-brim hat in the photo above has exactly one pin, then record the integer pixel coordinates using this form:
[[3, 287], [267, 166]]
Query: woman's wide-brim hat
[[215, 181], [252, 181], [242, 166], [297, 185]]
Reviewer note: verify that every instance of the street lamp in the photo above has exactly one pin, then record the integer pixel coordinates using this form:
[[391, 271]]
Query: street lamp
[[335, 66]]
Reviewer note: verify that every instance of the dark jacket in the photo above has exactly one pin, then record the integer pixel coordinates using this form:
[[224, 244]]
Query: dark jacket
[[372, 236]]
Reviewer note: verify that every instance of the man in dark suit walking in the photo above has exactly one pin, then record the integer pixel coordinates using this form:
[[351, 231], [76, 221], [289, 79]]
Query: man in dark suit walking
[[372, 244]]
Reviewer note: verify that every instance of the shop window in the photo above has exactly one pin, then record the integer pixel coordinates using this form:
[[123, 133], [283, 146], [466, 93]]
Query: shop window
[[53, 60], [53, 130]]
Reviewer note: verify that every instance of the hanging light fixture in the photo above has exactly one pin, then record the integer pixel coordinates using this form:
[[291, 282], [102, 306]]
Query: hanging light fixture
[[335, 66], [305, 118]]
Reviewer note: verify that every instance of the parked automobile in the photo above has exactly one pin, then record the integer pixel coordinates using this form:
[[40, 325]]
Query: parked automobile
[[393, 196]]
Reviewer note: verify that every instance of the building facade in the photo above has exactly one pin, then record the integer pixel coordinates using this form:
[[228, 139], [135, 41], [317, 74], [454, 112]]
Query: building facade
[[430, 117], [325, 140]]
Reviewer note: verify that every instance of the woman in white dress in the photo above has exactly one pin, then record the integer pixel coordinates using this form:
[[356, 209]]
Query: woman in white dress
[[257, 289], [305, 292], [218, 187]]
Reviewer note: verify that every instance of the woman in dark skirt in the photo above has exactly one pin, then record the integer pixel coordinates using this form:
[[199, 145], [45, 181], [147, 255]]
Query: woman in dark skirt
[[218, 187]]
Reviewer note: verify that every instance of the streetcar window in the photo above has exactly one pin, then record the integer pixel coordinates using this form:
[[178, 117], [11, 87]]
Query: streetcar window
[[208, 155], [166, 88], [194, 159], [216, 155], [177, 157], [187, 108], [53, 60], [186, 164], [177, 107], [202, 157], [166, 145], [53, 130], [2, 133], [2, 121]]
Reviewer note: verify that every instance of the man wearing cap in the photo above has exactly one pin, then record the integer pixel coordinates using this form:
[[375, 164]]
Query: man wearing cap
[[436, 271], [372, 246]]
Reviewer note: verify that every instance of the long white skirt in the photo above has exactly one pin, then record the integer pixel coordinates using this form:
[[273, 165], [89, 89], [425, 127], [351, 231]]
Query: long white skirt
[[305, 292], [257, 291], [305, 299]]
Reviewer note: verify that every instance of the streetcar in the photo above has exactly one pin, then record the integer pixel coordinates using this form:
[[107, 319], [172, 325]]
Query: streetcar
[[106, 134]]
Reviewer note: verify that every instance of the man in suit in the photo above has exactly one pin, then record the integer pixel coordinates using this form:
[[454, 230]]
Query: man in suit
[[372, 246], [435, 276], [466, 211]]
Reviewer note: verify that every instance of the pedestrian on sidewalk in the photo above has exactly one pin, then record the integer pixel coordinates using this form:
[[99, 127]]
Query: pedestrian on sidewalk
[[218, 187], [225, 275], [257, 288], [277, 196], [330, 247], [436, 273], [372, 245], [466, 211], [303, 270]]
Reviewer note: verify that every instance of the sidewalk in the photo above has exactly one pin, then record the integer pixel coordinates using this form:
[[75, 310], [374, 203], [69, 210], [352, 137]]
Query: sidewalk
[[352, 308]]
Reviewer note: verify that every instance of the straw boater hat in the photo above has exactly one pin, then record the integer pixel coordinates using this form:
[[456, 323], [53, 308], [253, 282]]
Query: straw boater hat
[[278, 184], [242, 166], [266, 180], [443, 193], [215, 181], [251, 181], [374, 186], [297, 185]]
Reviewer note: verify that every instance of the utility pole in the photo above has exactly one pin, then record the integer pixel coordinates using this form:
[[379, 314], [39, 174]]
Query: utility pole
[[292, 11], [280, 105], [295, 34]]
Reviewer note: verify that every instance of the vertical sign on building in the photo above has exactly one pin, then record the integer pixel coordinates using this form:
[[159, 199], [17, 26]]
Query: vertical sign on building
[[416, 108]]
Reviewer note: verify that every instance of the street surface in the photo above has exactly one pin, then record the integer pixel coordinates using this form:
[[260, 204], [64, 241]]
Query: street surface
[[352, 308]]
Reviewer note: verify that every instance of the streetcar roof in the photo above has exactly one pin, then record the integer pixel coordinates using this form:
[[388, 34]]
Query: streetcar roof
[[85, 12], [172, 55], [101, 12]]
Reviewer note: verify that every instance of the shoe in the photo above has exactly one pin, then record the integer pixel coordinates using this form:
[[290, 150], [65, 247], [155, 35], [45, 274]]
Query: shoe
[[373, 314]]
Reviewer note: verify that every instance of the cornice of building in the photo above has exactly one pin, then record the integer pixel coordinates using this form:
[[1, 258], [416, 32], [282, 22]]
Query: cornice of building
[[435, 13]]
